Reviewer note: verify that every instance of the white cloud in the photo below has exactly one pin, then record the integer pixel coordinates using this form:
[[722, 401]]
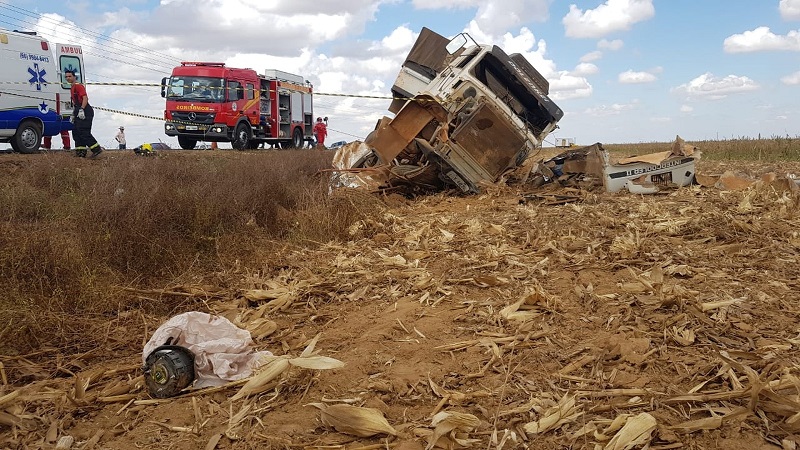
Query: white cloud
[[591, 56], [614, 45], [238, 26], [498, 17], [401, 38], [631, 77], [762, 39], [446, 4], [564, 86], [495, 17], [585, 69], [686, 109], [660, 119], [611, 110], [790, 9], [610, 17], [792, 79], [712, 87]]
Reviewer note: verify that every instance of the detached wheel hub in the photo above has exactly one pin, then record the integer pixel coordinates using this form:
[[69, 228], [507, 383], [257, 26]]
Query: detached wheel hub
[[168, 370]]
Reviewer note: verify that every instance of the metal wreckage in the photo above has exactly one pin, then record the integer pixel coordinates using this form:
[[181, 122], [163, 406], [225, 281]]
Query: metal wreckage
[[468, 116]]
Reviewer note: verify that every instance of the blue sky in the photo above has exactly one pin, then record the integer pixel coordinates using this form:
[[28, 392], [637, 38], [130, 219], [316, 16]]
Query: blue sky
[[622, 70]]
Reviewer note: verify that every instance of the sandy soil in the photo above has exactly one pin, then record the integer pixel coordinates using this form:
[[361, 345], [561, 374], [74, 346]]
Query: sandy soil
[[550, 325]]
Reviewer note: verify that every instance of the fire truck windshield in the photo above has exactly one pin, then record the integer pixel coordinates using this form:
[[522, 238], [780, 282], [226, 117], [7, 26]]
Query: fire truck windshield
[[196, 89]]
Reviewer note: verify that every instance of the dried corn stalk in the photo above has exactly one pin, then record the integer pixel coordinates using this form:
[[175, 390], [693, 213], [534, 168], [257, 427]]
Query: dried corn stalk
[[557, 416], [683, 336], [452, 427], [260, 382], [354, 420], [637, 431], [512, 312], [709, 423], [9, 398], [317, 363]]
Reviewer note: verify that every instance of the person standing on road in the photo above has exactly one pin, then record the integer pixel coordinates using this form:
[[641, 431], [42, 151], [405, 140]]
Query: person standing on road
[[82, 117], [48, 141], [320, 131], [120, 137]]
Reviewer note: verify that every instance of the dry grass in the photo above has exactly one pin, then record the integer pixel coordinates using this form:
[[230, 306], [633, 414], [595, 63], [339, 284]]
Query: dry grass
[[771, 149], [74, 231]]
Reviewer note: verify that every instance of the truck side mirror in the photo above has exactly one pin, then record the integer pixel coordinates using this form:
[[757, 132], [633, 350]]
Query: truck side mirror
[[164, 87], [456, 43]]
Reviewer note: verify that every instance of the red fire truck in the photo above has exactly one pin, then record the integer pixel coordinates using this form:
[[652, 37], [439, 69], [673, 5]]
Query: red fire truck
[[210, 102]]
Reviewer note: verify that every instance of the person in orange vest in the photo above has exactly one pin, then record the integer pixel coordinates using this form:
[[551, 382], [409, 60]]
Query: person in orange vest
[[48, 141], [320, 131]]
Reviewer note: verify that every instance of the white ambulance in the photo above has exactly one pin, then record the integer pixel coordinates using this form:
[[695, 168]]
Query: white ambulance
[[34, 95]]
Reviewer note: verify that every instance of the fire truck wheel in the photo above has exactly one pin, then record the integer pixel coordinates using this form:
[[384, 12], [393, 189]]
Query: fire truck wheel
[[241, 136], [297, 138], [186, 143]]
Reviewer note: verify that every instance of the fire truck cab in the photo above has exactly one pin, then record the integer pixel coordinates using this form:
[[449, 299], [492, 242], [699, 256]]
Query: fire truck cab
[[207, 101]]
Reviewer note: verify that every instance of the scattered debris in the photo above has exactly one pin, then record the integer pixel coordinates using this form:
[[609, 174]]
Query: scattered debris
[[222, 351], [591, 167], [355, 420], [168, 370]]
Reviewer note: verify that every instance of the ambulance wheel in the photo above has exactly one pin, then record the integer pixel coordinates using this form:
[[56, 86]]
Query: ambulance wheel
[[297, 139], [27, 137], [186, 143], [241, 136]]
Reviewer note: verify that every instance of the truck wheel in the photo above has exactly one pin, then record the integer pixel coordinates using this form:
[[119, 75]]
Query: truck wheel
[[297, 138], [241, 136], [27, 137], [186, 143]]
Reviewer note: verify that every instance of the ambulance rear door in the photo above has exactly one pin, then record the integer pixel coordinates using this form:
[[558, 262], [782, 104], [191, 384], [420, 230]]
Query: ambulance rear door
[[69, 57]]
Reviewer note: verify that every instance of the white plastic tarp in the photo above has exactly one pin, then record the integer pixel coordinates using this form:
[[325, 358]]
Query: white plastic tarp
[[222, 351]]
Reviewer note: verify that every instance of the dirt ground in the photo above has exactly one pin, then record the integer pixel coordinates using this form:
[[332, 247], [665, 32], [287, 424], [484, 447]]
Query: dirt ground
[[537, 324]]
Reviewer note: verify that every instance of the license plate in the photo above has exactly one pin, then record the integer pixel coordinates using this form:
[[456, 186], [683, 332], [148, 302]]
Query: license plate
[[191, 127]]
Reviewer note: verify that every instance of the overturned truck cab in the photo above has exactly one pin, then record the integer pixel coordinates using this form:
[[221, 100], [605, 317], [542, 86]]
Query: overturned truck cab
[[465, 115]]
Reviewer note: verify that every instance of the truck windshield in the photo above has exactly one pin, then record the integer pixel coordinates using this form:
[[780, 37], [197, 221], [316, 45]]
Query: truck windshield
[[196, 89]]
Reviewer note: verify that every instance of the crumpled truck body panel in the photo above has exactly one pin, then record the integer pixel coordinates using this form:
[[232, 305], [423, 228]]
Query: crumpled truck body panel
[[593, 167], [469, 117], [648, 177]]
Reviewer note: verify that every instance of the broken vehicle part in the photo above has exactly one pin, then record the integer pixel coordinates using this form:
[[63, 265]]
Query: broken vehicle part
[[465, 116], [168, 370], [222, 351], [591, 166]]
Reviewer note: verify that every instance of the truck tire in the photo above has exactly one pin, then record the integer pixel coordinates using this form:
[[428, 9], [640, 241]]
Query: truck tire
[[241, 136], [297, 139], [27, 137], [187, 143]]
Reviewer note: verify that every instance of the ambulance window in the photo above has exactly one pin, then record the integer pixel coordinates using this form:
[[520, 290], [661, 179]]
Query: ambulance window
[[67, 62], [251, 91]]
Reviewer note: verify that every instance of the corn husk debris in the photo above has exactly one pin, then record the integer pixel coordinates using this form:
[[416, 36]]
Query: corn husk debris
[[354, 420]]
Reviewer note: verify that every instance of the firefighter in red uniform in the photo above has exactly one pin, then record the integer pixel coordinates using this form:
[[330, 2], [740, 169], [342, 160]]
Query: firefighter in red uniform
[[320, 131], [82, 118]]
